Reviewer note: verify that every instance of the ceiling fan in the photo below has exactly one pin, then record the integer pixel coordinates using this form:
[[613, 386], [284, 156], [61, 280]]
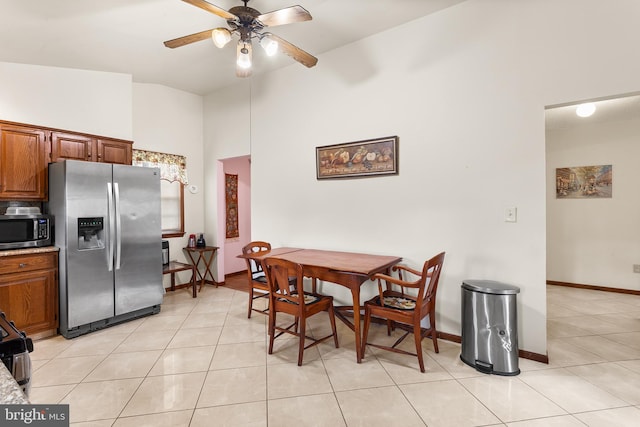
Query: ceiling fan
[[249, 24]]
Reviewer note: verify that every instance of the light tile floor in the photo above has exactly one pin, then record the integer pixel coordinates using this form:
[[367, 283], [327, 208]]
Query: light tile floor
[[201, 362]]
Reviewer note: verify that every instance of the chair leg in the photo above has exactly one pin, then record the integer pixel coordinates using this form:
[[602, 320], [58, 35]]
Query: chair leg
[[434, 333], [417, 334], [332, 319], [272, 329], [365, 329], [250, 303], [303, 324]]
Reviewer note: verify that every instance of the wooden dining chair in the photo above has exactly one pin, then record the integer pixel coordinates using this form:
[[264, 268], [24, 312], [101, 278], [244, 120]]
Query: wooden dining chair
[[258, 287], [406, 310], [284, 298]]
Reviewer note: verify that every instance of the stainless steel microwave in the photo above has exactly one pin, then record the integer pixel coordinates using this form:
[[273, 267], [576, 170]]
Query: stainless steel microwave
[[25, 231]]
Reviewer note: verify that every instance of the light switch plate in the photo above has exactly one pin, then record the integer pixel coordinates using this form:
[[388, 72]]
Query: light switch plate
[[511, 215]]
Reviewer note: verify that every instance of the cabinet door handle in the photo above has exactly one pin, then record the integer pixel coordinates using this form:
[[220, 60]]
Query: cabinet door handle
[[22, 265]]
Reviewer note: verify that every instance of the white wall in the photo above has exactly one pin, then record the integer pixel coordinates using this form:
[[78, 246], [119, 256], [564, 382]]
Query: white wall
[[171, 121], [595, 241], [107, 104], [227, 134], [465, 90], [92, 102]]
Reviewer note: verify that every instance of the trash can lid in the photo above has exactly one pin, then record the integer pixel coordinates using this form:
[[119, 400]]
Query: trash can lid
[[490, 287]]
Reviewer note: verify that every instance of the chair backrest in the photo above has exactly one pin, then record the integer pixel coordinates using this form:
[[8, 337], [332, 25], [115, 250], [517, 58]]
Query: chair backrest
[[255, 267], [429, 283], [279, 273]]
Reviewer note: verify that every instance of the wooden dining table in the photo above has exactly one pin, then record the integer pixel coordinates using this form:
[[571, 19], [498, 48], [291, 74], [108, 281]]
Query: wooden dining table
[[347, 269]]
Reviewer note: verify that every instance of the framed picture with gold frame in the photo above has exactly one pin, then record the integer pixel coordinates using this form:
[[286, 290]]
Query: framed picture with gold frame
[[371, 157]]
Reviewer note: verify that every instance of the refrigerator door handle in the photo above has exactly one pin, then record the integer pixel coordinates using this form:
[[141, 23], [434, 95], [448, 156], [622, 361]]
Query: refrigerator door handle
[[116, 190], [112, 227]]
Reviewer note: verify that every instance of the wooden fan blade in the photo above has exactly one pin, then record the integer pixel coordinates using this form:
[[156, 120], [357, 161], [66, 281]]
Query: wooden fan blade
[[295, 52], [243, 72], [287, 15], [211, 8], [181, 41]]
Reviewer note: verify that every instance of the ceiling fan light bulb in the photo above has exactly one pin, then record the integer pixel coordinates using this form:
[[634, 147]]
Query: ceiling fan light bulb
[[244, 60], [220, 36], [270, 46]]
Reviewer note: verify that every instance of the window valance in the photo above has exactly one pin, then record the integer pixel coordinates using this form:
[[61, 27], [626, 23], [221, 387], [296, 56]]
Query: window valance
[[173, 167]]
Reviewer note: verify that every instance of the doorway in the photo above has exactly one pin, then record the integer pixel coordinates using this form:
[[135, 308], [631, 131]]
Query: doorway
[[231, 247]]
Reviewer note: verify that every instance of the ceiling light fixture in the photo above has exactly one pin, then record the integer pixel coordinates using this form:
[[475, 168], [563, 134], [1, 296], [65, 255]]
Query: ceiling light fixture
[[585, 110], [249, 24], [269, 45], [244, 55], [220, 36]]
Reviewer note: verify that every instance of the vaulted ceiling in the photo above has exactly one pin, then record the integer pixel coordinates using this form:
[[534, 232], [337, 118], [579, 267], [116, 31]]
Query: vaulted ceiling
[[126, 36]]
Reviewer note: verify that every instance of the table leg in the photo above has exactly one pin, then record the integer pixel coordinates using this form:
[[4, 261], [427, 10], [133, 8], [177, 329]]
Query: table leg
[[193, 281], [207, 270], [355, 292], [355, 326], [195, 266]]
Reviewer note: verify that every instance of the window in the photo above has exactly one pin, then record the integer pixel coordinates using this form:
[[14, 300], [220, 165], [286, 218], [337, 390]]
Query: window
[[173, 178], [172, 205]]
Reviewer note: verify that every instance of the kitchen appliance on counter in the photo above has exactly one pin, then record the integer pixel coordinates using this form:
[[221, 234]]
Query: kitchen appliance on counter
[[25, 227], [14, 352], [109, 234], [165, 252]]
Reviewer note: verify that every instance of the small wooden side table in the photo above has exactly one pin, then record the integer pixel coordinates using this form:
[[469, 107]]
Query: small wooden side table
[[173, 267], [205, 256]]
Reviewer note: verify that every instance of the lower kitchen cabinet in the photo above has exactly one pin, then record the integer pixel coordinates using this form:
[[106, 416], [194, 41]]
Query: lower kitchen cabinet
[[29, 291]]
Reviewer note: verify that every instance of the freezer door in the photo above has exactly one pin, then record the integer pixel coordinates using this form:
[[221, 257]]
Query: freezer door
[[138, 253], [89, 281]]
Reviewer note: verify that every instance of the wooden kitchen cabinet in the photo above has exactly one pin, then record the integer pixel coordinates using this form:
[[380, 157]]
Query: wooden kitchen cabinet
[[114, 151], [29, 291], [23, 163], [92, 149], [72, 146], [26, 151]]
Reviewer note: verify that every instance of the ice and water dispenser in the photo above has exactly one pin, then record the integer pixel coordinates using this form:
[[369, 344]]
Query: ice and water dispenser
[[90, 233]]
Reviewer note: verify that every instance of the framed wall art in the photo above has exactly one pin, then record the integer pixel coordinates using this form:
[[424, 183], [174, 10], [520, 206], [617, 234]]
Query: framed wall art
[[584, 182], [371, 157]]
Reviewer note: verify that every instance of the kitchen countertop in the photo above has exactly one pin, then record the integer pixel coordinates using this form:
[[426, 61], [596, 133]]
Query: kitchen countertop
[[10, 391], [27, 251]]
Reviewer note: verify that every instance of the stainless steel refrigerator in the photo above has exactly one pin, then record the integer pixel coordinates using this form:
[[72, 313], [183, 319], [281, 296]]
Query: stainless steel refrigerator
[[107, 226]]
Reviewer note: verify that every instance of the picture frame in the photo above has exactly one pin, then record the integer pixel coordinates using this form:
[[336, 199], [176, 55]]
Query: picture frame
[[584, 182], [370, 157]]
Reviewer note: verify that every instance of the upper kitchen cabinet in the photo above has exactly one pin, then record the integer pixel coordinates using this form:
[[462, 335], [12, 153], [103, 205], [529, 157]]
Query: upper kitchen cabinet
[[23, 163], [26, 150], [114, 151], [91, 149], [72, 146]]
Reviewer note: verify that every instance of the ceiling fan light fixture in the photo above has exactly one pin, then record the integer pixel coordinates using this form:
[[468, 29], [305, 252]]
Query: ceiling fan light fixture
[[248, 24], [244, 56], [221, 36], [269, 45]]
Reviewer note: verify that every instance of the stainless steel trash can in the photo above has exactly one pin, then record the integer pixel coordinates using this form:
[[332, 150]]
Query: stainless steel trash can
[[490, 327]]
